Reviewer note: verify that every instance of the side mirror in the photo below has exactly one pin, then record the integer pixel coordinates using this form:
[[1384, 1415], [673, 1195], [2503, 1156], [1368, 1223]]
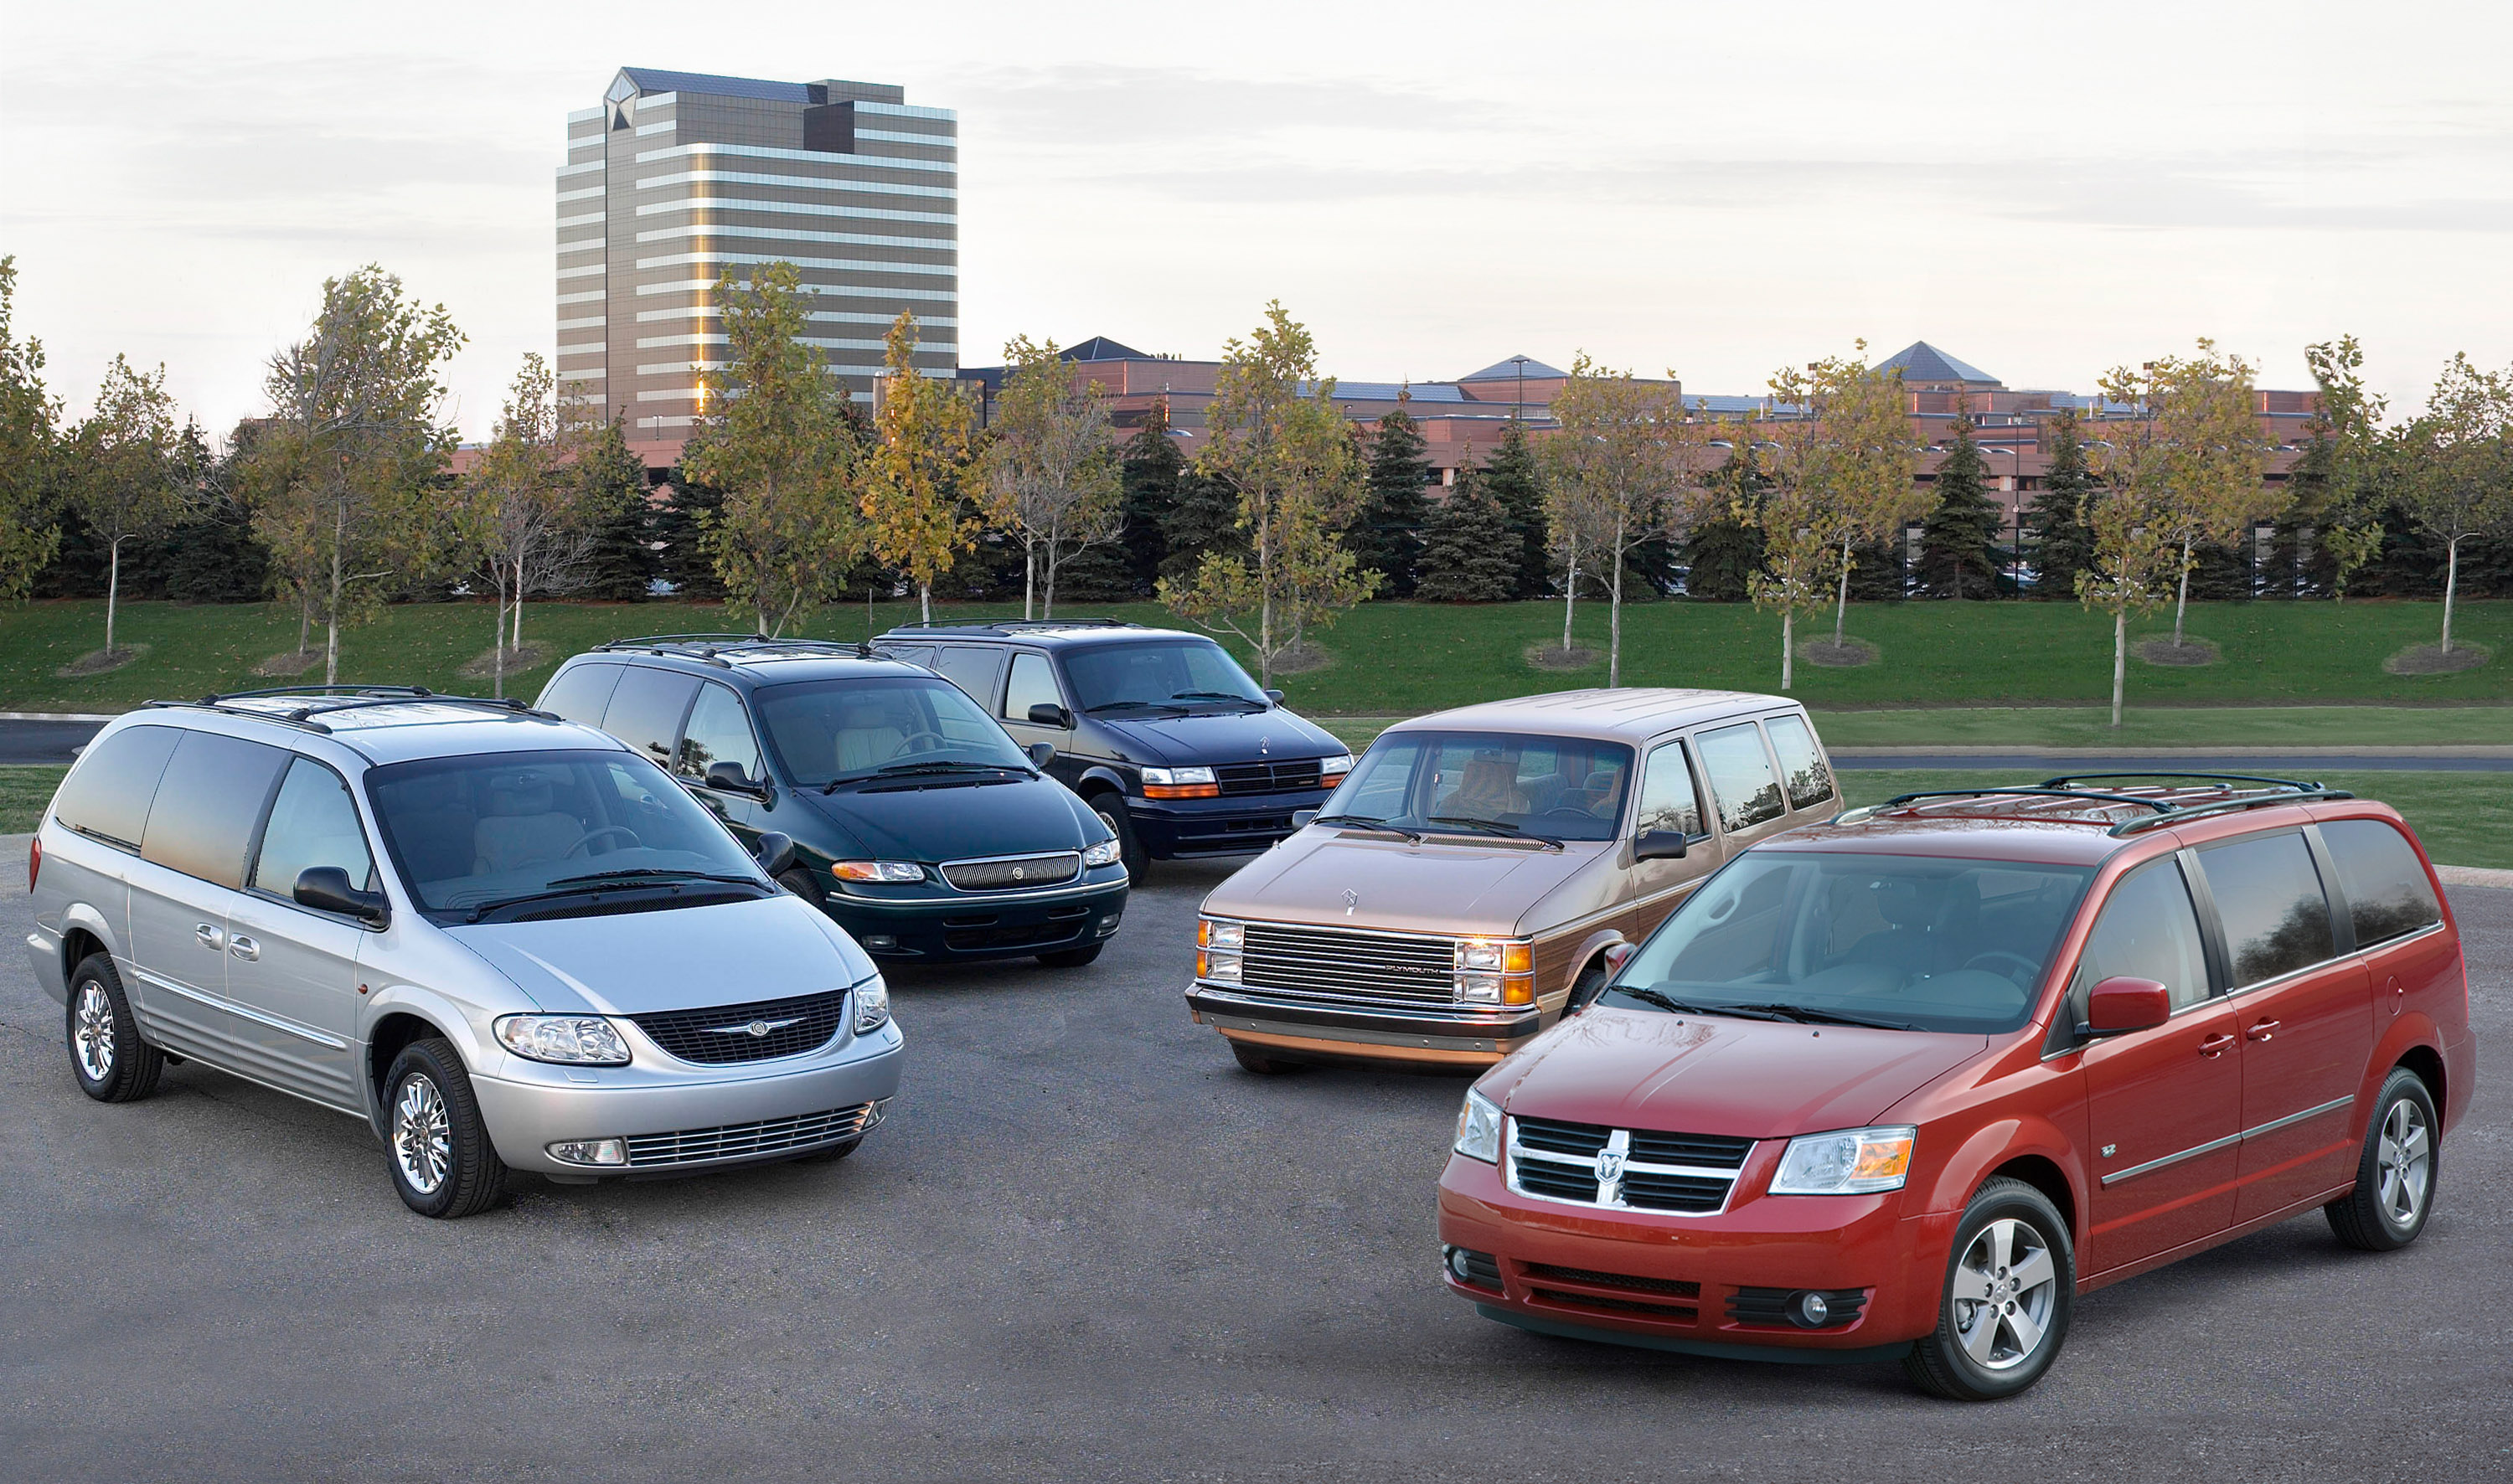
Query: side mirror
[[1049, 714], [775, 852], [1659, 845], [1618, 955], [1274, 695], [1301, 819], [1039, 753], [2121, 1004], [327, 888], [730, 777]]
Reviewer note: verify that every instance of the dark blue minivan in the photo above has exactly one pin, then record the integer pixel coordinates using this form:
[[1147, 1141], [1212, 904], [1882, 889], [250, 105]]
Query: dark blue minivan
[[1160, 731]]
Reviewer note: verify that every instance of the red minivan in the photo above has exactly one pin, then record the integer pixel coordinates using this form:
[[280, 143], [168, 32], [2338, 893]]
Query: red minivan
[[1902, 1086]]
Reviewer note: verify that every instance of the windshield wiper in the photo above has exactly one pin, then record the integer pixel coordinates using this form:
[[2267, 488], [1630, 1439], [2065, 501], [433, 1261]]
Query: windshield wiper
[[1808, 1015], [1092, 711], [1215, 695], [904, 769], [1689, 1008], [652, 872], [582, 886], [1365, 822], [1496, 827]]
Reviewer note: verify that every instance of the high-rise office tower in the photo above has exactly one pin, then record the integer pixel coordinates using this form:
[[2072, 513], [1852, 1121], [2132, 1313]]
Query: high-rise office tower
[[678, 176]]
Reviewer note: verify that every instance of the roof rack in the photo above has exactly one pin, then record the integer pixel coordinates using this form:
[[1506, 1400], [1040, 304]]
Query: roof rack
[[331, 699], [2288, 790], [711, 647], [1017, 625]]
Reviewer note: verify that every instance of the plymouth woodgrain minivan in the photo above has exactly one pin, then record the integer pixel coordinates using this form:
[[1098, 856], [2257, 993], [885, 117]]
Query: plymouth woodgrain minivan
[[1462, 888]]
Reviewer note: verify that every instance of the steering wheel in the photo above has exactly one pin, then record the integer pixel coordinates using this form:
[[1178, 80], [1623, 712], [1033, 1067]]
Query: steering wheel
[[574, 850], [2032, 970], [1569, 811], [908, 744]]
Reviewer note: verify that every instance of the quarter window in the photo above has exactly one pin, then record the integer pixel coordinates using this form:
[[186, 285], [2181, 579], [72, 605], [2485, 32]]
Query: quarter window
[[1033, 683], [2147, 931], [646, 710], [2270, 904], [582, 693], [973, 670], [312, 823], [1667, 799], [1803, 769], [719, 731], [107, 793], [1742, 780], [2388, 893], [209, 801]]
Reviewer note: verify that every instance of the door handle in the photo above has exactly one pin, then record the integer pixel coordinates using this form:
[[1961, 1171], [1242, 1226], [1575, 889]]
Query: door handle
[[2263, 1030], [2215, 1045], [244, 948], [209, 937]]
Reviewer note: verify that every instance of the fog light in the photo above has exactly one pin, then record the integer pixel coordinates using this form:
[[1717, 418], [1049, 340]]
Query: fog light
[[879, 943], [590, 1151], [1108, 925], [1808, 1311]]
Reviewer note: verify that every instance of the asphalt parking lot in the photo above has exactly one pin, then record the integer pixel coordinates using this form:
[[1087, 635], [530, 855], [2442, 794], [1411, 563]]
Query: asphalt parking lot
[[1088, 1246]]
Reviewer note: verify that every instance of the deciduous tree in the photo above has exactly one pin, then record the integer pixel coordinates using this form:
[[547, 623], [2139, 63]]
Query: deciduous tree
[[522, 518], [2460, 453], [2339, 483], [1627, 465], [911, 485], [1051, 473], [2200, 450], [29, 430], [124, 476]]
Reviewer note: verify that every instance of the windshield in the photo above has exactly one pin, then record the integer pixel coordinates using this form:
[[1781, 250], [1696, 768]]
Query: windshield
[[1908, 942], [826, 731], [470, 833], [1493, 783], [1183, 673]]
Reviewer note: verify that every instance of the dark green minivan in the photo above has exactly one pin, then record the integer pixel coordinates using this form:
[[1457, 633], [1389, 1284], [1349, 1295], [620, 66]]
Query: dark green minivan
[[919, 825]]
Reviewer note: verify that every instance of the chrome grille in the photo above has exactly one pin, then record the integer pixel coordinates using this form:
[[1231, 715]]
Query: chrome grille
[[1624, 1169], [768, 1136], [1267, 777], [1403, 967], [1013, 872], [758, 1031]]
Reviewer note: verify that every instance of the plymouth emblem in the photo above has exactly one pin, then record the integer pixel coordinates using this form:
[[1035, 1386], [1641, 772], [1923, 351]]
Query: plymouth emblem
[[1263, 743], [1351, 900]]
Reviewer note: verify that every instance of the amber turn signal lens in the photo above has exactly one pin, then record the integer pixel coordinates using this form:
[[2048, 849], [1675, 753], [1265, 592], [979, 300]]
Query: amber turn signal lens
[[1518, 990], [1182, 790]]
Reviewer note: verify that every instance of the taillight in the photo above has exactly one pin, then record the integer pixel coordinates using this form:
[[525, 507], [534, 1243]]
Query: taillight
[[34, 859]]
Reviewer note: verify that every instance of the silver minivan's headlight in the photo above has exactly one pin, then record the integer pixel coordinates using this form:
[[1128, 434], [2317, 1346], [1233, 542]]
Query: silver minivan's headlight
[[1479, 1128], [1855, 1161], [1105, 853], [872, 1005], [580, 1040]]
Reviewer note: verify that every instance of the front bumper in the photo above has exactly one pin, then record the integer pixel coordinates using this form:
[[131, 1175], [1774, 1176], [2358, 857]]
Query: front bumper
[[1462, 1038], [529, 1105], [1708, 1284], [938, 927], [1235, 824]]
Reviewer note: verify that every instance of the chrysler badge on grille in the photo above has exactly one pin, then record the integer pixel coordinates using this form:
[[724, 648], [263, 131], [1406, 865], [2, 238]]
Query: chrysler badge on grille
[[759, 1028]]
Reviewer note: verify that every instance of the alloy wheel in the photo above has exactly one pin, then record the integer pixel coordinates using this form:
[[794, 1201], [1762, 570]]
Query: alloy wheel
[[2004, 1290], [422, 1138], [91, 1033], [2405, 1161]]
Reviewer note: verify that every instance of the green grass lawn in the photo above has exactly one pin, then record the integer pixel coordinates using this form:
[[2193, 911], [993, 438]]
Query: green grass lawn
[[1403, 659], [2465, 819], [2332, 727], [24, 793]]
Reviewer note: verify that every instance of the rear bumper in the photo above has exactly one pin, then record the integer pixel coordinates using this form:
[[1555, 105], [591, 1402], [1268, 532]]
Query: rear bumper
[[979, 927], [1397, 1035], [1240, 824]]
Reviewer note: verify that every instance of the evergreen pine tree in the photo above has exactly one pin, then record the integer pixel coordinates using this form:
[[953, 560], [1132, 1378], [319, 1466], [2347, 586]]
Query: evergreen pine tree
[[1126, 568], [1955, 555], [613, 478], [2055, 520], [1387, 536], [1723, 552], [679, 559], [1515, 482], [1467, 554], [1204, 518]]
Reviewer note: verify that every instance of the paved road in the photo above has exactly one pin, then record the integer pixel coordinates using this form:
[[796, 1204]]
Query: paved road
[[43, 741], [1087, 1247]]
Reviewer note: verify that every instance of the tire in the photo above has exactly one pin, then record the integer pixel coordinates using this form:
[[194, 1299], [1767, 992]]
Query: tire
[[1251, 1059], [1585, 989], [1112, 809], [831, 1154], [799, 882], [443, 1164], [2395, 1175], [2014, 1246], [110, 1061], [1071, 957]]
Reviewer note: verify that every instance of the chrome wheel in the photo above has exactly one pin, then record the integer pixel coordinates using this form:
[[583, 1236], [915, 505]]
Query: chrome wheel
[[91, 1033], [2403, 1160], [2003, 1289], [423, 1137]]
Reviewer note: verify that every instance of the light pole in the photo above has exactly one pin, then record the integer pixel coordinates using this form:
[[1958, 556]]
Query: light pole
[[1518, 406], [2015, 487]]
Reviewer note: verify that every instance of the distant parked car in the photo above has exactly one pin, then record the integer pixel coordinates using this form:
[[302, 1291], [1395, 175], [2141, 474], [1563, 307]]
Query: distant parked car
[[505, 941], [1905, 1085], [918, 823], [1464, 886], [1160, 731]]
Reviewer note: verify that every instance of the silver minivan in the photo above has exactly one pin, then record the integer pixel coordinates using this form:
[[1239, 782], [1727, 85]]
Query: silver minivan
[[506, 941]]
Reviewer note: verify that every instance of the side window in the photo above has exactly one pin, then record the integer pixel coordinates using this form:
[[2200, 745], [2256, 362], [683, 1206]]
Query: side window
[[914, 654], [208, 803], [107, 793], [2388, 893], [719, 731], [974, 668], [581, 694], [1667, 800], [312, 823], [1033, 683], [2148, 930], [646, 710], [1742, 780], [1803, 770], [2270, 904]]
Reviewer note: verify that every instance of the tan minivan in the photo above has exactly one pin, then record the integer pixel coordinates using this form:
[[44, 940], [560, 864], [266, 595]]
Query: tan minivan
[[1462, 890]]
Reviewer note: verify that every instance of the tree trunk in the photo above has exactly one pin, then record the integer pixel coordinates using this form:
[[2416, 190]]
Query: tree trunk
[[112, 595], [2451, 581], [2180, 605], [519, 602], [497, 651], [1841, 608], [925, 602], [332, 611], [2119, 661], [1047, 590], [304, 617], [1570, 598], [1615, 612], [1029, 577], [1788, 645]]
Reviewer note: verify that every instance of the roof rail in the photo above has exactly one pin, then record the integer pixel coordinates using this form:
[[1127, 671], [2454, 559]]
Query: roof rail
[[2313, 793], [1854, 816], [331, 699], [2284, 783], [2287, 791], [1012, 625], [710, 648]]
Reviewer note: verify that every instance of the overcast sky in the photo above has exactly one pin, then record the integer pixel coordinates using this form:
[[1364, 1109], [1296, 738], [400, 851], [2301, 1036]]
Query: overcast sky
[[2042, 190]]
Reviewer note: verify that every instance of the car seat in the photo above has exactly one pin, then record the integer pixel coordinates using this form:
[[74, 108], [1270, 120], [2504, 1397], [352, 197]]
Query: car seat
[[868, 735], [1487, 788], [523, 826]]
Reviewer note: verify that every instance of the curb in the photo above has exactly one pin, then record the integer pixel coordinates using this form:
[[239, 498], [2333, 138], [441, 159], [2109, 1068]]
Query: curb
[[57, 716], [2475, 875]]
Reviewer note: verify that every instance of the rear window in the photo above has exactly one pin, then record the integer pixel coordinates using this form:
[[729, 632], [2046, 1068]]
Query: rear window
[[646, 710], [107, 793], [973, 670], [1741, 781], [1803, 770], [208, 803], [2389, 894], [581, 694]]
